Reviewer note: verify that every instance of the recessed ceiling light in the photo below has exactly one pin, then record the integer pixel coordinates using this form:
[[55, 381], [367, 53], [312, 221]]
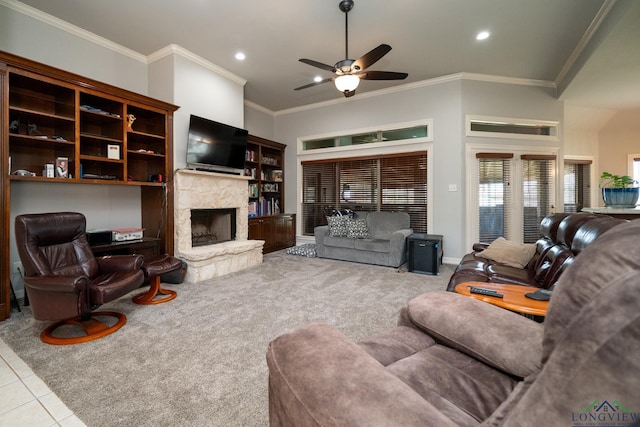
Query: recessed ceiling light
[[317, 79], [483, 35], [240, 56]]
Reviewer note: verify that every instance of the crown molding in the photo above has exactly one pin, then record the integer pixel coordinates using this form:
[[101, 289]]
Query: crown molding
[[174, 49], [423, 83], [258, 107], [72, 29]]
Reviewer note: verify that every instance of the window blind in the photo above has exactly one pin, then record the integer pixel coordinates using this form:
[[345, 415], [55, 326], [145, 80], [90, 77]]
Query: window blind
[[537, 184], [577, 185], [494, 195], [395, 182], [403, 183]]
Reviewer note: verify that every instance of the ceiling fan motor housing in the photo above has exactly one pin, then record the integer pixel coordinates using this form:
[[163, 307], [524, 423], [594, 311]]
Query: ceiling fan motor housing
[[346, 5]]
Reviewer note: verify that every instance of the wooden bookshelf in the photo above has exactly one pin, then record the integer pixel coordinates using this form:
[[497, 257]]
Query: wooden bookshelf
[[264, 164], [50, 115]]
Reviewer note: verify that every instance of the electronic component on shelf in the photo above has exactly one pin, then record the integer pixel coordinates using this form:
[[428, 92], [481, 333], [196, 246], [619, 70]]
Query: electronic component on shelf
[[126, 234]]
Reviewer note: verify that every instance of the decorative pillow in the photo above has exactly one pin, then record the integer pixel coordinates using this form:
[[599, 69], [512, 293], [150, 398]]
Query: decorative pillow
[[510, 253], [337, 226], [357, 228]]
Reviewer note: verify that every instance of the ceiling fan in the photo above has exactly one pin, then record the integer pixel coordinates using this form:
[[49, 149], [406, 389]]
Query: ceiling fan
[[348, 72]]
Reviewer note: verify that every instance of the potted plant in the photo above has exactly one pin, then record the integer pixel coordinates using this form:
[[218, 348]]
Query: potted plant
[[617, 191]]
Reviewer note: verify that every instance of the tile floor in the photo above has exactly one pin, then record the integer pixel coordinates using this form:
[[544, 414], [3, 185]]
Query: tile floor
[[25, 400]]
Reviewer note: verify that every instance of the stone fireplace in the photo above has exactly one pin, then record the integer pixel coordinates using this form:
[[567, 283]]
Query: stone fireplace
[[226, 196]]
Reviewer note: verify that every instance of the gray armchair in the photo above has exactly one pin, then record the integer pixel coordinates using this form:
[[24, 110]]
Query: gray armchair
[[456, 361]]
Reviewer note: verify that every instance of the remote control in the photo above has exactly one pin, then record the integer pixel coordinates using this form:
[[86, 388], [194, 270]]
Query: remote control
[[485, 291]]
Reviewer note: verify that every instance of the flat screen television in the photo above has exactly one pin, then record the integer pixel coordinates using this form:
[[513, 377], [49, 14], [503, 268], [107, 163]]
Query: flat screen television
[[216, 146]]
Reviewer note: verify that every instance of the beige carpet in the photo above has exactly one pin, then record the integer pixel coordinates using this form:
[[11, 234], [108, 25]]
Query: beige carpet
[[199, 360]]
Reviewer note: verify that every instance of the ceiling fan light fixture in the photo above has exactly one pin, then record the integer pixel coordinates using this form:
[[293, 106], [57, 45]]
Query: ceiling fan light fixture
[[347, 82]]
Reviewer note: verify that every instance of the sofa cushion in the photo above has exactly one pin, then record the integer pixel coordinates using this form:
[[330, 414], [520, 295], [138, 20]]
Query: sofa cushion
[[357, 228], [382, 224], [337, 226], [372, 245], [395, 344], [339, 242], [464, 389], [508, 252], [486, 332]]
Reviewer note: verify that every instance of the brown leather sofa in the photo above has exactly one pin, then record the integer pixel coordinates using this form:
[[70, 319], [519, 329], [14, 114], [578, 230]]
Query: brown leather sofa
[[562, 237], [457, 361]]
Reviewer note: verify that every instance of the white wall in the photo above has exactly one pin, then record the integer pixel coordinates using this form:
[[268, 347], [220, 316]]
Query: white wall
[[619, 137], [183, 79], [259, 121]]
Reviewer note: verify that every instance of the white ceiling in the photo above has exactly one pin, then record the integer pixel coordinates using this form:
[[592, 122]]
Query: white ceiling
[[530, 39]]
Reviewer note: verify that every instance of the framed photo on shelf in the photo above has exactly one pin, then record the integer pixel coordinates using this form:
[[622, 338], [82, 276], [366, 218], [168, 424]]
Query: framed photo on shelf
[[62, 167]]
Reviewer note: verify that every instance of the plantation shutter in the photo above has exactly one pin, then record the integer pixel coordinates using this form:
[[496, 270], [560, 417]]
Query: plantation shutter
[[537, 186], [494, 195], [403, 183], [577, 185]]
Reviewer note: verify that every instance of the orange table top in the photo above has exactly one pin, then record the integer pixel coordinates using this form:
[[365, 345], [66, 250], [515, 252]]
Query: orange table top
[[513, 299]]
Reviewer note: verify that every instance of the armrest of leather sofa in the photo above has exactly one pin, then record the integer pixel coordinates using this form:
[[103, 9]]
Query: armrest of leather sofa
[[120, 263], [317, 376], [498, 337]]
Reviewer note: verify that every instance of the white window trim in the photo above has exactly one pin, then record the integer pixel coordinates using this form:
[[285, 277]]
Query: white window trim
[[554, 125], [516, 193], [389, 127], [373, 149], [593, 179]]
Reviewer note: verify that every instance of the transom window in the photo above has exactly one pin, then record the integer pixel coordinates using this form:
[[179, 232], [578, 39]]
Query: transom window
[[367, 138]]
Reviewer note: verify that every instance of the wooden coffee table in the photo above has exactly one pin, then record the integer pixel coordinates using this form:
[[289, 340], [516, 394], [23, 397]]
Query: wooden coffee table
[[513, 299]]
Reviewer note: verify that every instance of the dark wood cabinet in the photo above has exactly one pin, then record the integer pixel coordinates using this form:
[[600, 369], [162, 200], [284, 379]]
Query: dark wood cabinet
[[278, 231], [101, 134]]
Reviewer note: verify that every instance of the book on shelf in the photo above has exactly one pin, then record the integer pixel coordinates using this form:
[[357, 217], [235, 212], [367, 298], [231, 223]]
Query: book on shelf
[[250, 156]]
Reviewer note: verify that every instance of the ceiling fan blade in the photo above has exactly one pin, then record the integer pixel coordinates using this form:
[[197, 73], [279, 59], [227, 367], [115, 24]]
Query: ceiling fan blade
[[371, 57], [318, 64], [314, 83], [383, 75]]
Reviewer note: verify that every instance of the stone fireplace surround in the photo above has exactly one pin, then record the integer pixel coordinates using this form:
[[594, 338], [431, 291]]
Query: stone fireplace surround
[[212, 190]]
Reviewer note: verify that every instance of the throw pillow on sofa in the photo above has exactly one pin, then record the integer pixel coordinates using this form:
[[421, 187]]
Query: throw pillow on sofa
[[337, 226], [357, 228], [510, 253]]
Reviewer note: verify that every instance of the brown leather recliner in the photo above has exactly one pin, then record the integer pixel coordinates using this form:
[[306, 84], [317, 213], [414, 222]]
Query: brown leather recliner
[[64, 281]]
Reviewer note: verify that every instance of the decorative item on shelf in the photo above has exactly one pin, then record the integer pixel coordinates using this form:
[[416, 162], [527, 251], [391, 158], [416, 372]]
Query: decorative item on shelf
[[113, 151], [62, 167], [617, 191], [48, 171], [130, 119]]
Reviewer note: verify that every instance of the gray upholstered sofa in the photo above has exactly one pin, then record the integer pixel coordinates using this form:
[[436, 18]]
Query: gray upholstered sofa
[[385, 244], [457, 361]]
